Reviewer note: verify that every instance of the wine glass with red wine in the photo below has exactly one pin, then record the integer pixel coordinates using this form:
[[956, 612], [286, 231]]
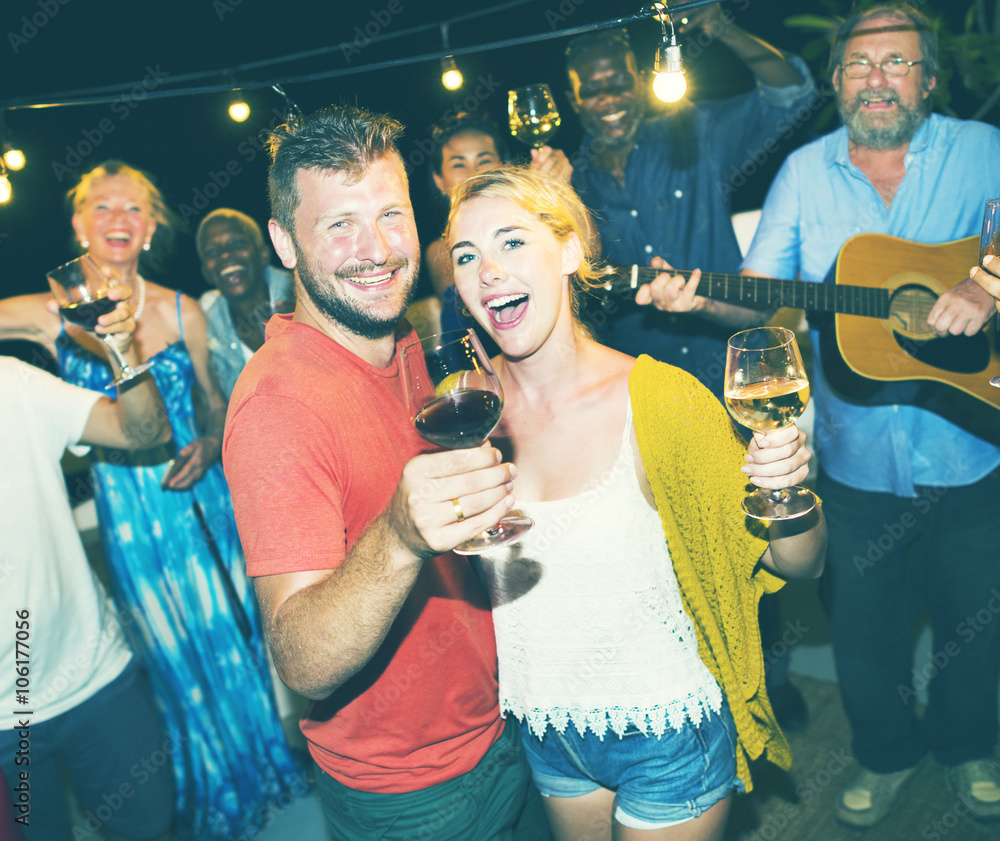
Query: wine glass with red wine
[[81, 289], [766, 389], [455, 401]]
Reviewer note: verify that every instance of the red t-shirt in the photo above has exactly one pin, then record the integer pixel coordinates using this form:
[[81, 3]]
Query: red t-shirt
[[315, 443]]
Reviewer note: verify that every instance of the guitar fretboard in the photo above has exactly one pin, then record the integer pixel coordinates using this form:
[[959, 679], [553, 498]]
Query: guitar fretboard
[[764, 292]]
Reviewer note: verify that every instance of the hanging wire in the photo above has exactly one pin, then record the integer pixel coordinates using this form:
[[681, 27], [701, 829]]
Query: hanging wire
[[91, 96]]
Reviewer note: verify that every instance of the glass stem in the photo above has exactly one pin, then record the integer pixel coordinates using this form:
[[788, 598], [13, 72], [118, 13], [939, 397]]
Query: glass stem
[[110, 342]]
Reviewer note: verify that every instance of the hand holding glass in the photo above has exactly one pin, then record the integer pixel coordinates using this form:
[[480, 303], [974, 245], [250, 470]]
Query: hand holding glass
[[989, 243], [534, 117], [766, 389], [455, 401], [81, 288]]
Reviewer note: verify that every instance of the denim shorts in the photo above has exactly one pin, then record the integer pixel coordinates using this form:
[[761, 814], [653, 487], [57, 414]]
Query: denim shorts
[[659, 779]]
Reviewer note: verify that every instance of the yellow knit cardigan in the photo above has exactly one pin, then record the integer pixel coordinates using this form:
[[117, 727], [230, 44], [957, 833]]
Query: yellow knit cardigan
[[692, 455]]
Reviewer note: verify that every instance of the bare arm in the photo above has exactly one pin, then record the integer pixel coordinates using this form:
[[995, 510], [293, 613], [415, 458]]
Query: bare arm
[[137, 419], [766, 63], [204, 451], [27, 317], [323, 626]]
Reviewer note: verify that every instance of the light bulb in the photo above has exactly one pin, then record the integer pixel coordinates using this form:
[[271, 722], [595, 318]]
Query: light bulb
[[239, 110], [669, 83], [669, 87], [451, 77], [4, 189], [14, 158]]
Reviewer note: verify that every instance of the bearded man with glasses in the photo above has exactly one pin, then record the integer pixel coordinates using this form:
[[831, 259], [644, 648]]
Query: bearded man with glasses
[[912, 499]]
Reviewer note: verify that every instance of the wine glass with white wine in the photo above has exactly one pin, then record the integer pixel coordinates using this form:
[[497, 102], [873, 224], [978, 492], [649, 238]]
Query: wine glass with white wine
[[534, 118], [767, 389], [989, 243]]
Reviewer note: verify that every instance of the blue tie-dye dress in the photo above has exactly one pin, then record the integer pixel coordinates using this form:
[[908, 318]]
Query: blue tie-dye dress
[[231, 759]]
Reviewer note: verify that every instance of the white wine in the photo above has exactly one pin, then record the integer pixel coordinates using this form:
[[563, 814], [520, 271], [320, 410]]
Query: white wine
[[768, 405], [535, 131]]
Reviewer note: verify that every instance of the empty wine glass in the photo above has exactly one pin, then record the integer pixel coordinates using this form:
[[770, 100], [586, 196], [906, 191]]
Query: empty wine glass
[[989, 243], [534, 117], [766, 389], [81, 287], [455, 401]]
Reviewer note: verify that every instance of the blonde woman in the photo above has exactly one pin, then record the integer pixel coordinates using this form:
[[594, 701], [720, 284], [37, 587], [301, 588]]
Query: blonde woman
[[626, 618]]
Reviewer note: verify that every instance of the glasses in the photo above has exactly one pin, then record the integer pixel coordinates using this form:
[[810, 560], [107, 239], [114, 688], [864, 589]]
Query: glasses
[[889, 67]]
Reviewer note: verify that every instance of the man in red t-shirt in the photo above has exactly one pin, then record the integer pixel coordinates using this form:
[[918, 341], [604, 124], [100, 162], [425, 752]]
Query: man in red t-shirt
[[344, 517]]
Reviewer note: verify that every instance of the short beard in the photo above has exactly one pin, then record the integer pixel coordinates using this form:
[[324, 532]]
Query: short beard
[[882, 137], [344, 312]]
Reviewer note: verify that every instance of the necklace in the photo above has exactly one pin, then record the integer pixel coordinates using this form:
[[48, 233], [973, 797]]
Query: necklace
[[142, 297]]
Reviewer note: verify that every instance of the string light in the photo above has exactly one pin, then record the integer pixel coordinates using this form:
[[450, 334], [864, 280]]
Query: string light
[[5, 191], [239, 110], [669, 83], [451, 77], [13, 158]]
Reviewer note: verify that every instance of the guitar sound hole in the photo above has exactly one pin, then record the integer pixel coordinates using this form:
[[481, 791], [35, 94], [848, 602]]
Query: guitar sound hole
[[909, 306]]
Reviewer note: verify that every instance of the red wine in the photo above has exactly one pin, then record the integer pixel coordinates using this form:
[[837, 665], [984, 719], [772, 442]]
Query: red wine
[[460, 419], [86, 313]]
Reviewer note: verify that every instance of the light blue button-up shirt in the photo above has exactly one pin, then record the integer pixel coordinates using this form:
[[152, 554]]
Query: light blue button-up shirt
[[820, 199]]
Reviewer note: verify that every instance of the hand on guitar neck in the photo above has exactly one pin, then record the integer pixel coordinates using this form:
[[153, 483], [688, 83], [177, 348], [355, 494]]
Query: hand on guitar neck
[[988, 277], [675, 293]]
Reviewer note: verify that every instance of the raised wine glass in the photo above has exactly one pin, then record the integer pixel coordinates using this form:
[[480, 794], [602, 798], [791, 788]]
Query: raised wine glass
[[455, 401], [81, 288], [989, 243], [534, 117], [767, 389]]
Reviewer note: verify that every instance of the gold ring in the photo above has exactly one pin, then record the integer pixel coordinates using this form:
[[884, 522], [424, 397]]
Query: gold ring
[[458, 509]]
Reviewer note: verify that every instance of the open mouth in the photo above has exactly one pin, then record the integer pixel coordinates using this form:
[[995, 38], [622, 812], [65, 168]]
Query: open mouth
[[233, 275], [507, 309], [118, 238], [878, 104], [372, 280]]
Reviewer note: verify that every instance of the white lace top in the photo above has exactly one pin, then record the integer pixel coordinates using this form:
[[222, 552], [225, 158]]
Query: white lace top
[[589, 622]]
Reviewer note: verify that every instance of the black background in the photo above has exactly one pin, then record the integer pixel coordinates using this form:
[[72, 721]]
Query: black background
[[183, 141]]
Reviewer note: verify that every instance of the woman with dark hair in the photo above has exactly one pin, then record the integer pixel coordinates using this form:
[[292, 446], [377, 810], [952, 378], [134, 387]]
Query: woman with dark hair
[[174, 559]]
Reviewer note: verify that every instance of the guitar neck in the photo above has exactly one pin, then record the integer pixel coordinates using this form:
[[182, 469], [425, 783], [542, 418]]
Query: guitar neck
[[765, 292]]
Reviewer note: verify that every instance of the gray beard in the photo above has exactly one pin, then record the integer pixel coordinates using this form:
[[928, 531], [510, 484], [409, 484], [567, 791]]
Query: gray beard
[[345, 313], [886, 136]]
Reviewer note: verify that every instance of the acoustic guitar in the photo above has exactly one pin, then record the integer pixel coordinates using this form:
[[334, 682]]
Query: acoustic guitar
[[872, 315]]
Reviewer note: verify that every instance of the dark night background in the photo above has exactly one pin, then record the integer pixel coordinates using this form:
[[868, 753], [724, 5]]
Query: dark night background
[[183, 141]]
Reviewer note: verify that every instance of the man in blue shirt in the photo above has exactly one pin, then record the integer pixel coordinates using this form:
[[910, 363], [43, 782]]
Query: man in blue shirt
[[913, 500], [661, 187]]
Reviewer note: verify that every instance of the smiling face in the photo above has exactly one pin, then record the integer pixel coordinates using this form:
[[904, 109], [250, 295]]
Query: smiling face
[[465, 154], [512, 273], [607, 95], [355, 248], [231, 259], [883, 112], [116, 220]]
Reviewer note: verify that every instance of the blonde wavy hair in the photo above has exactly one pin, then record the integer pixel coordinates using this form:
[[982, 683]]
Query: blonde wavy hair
[[166, 220]]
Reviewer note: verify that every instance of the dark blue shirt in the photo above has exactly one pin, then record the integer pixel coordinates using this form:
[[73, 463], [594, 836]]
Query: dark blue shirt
[[681, 212]]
